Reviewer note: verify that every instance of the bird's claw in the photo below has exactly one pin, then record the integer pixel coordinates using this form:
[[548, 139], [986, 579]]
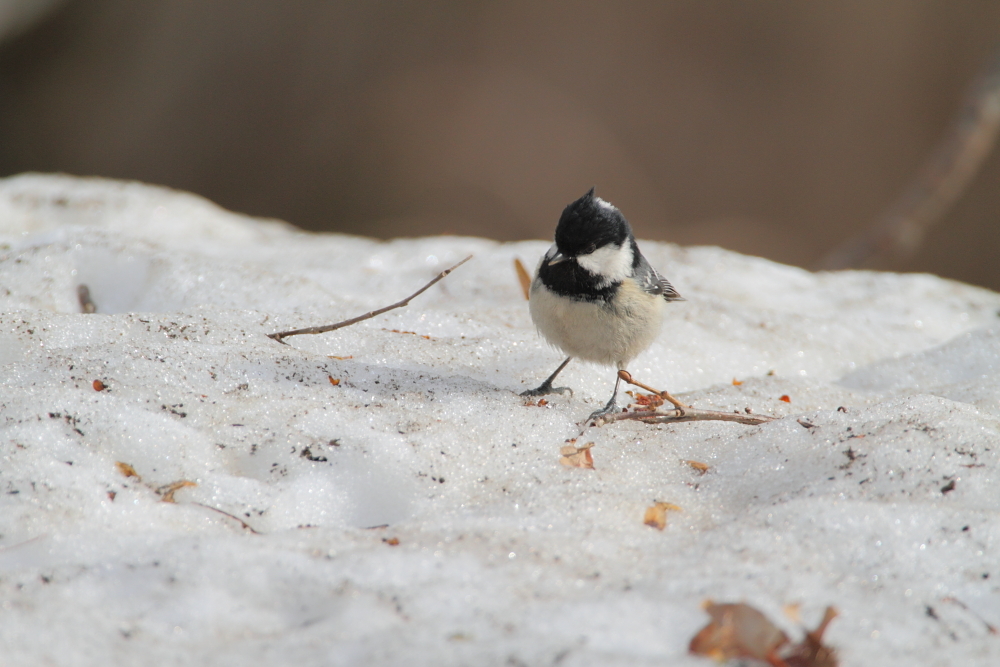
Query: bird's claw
[[610, 409], [545, 390]]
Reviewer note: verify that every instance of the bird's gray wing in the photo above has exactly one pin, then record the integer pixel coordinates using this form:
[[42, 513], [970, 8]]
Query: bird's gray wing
[[652, 282]]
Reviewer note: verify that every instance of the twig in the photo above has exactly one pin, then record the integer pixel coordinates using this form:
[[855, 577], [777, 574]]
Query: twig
[[625, 375], [681, 412], [21, 544], [989, 628], [231, 516], [941, 181], [167, 491], [687, 414], [367, 316]]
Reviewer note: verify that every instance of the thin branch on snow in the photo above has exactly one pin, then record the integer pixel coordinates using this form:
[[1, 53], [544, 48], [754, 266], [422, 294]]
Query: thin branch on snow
[[367, 316], [687, 414], [680, 413], [245, 525]]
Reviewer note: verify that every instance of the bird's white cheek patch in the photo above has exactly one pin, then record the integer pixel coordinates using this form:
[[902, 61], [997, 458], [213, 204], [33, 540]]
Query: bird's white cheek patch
[[612, 262]]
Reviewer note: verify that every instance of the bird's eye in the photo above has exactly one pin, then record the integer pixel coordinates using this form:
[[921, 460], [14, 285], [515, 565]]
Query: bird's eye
[[589, 249]]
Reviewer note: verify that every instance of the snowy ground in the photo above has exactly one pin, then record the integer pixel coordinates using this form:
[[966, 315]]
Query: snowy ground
[[887, 509]]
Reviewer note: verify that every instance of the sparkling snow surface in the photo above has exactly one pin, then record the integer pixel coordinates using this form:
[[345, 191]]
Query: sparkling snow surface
[[888, 509]]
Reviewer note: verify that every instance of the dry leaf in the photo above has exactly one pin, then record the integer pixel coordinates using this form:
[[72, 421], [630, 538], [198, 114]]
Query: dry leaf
[[792, 612], [127, 470], [99, 386], [785, 398], [167, 492], [334, 381], [391, 541], [87, 304], [647, 401], [523, 277], [811, 651], [736, 382], [340, 358], [702, 468], [738, 631], [577, 457], [656, 516]]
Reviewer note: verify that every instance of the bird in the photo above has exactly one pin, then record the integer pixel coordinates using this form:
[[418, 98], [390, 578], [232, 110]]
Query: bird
[[594, 296]]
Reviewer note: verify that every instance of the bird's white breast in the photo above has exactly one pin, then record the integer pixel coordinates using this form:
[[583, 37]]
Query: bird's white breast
[[612, 334]]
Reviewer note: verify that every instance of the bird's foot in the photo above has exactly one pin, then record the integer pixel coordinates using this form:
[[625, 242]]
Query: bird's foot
[[610, 409], [546, 388]]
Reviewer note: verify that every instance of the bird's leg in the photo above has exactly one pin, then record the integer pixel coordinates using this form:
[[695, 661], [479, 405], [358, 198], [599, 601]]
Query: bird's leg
[[547, 388], [611, 407]]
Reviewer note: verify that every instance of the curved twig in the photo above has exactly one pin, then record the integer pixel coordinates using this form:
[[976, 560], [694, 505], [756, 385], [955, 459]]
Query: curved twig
[[627, 377], [367, 316]]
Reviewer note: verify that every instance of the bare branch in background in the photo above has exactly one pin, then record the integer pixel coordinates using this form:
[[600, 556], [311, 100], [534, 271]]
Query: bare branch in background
[[943, 178]]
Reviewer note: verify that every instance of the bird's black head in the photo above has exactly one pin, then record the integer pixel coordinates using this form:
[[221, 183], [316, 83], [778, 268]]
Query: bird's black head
[[590, 223]]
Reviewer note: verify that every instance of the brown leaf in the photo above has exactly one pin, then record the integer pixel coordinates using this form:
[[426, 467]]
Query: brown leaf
[[127, 470], [736, 382], [785, 398], [577, 457], [87, 304], [702, 468], [647, 401], [656, 516], [811, 651], [99, 386], [391, 541], [340, 358], [793, 612], [738, 631], [334, 381], [167, 492], [523, 277]]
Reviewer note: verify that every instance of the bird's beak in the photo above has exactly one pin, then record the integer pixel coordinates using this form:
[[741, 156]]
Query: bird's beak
[[556, 258]]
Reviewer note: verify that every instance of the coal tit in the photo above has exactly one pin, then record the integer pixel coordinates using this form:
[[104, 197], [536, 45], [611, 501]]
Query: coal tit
[[594, 295]]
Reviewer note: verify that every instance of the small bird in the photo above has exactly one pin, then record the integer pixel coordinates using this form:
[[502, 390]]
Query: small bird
[[594, 295]]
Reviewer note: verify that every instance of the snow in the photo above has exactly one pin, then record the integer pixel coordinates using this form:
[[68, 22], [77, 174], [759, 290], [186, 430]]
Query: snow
[[885, 508]]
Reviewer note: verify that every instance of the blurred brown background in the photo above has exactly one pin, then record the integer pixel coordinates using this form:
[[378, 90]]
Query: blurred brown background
[[773, 128]]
